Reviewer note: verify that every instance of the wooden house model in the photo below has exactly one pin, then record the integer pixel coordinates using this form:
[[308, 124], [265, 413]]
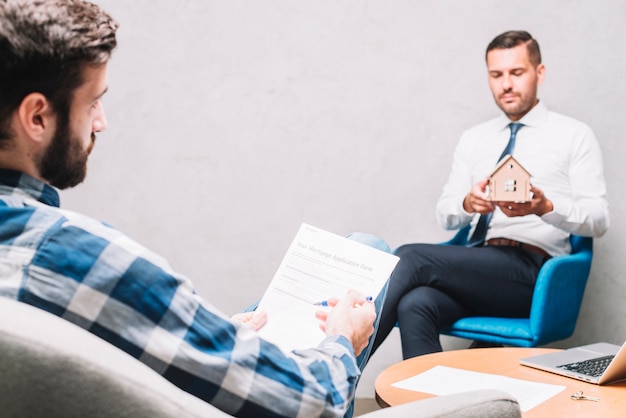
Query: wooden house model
[[509, 182]]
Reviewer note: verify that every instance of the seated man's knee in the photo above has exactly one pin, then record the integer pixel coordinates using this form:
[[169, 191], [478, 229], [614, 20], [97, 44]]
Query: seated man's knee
[[370, 240], [421, 301]]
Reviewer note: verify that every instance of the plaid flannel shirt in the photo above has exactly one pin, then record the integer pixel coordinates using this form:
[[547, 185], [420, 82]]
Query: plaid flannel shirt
[[96, 277]]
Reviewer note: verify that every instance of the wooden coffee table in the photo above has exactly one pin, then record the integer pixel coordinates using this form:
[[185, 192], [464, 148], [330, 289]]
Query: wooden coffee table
[[505, 361]]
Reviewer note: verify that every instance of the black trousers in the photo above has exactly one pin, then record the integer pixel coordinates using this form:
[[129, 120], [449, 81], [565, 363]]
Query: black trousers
[[434, 285]]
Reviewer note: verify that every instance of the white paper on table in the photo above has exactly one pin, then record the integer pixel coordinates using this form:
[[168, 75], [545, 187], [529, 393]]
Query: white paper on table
[[442, 380], [318, 265]]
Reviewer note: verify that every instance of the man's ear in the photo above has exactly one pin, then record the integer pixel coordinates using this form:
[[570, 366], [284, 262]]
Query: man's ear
[[36, 117], [541, 73]]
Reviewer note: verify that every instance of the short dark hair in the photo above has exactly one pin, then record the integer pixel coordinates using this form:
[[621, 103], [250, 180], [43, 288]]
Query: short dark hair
[[513, 38], [44, 44]]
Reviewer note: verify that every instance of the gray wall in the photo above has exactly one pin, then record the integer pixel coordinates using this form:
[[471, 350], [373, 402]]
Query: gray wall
[[231, 122]]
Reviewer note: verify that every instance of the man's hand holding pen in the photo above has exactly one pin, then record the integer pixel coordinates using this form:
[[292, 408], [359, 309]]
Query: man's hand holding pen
[[353, 317]]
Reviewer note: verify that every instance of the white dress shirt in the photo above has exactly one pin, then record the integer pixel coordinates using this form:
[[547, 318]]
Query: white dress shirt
[[565, 162]]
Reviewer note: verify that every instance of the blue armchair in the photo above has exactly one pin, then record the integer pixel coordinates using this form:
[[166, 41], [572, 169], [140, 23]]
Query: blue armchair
[[555, 306]]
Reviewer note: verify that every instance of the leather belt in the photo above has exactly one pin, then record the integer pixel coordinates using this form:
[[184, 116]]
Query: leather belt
[[505, 242]]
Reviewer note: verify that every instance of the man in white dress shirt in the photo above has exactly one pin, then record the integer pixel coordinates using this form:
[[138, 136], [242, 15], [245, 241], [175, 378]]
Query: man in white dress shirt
[[434, 285]]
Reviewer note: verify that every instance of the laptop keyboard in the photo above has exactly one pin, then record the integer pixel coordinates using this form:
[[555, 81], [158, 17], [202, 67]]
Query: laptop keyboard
[[594, 367]]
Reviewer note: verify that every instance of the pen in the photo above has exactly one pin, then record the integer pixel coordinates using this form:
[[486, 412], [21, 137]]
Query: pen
[[325, 302]]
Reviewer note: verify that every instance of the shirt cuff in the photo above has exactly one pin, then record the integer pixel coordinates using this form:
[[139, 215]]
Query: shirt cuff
[[338, 339], [558, 215]]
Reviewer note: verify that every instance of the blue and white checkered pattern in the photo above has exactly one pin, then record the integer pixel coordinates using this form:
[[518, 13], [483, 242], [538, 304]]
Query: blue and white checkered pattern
[[96, 277]]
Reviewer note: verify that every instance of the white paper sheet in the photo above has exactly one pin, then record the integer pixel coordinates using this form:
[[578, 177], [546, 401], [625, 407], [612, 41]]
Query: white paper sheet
[[442, 380], [318, 265]]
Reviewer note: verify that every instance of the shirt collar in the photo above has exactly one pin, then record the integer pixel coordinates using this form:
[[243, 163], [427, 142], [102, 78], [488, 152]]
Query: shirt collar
[[14, 183], [535, 117]]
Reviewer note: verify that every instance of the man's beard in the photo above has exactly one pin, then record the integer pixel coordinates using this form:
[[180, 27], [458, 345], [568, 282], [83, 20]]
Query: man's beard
[[64, 162]]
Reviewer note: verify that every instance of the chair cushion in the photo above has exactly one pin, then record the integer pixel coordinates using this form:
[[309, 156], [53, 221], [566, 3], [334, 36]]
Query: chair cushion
[[517, 328]]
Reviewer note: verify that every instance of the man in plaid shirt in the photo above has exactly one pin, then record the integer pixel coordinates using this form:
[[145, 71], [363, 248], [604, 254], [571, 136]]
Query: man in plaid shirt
[[53, 74]]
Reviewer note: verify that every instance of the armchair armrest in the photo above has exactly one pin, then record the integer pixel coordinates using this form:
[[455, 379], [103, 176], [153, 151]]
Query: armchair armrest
[[474, 404], [559, 292]]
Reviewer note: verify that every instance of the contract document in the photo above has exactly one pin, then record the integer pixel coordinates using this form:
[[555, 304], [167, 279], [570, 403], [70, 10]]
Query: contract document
[[318, 265], [443, 380]]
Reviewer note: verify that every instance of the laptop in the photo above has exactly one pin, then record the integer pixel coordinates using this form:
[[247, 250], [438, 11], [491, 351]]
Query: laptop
[[599, 363]]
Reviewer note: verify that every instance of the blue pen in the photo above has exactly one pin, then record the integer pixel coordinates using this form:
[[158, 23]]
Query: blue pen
[[325, 302]]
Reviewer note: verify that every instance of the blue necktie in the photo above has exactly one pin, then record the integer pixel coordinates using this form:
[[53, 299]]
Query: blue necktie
[[478, 237]]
